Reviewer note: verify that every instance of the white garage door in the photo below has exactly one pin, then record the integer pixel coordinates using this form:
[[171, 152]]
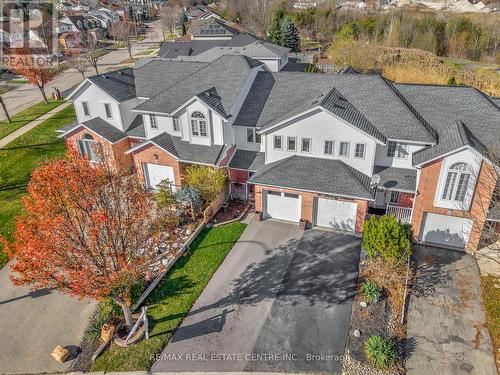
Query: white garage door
[[156, 173], [282, 206], [446, 230], [336, 214]]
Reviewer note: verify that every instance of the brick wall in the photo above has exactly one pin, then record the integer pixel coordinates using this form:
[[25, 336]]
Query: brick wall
[[114, 152], [424, 202], [147, 155], [307, 209]]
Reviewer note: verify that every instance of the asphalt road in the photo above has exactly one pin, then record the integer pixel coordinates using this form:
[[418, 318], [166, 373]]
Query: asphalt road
[[281, 301], [33, 323], [26, 95]]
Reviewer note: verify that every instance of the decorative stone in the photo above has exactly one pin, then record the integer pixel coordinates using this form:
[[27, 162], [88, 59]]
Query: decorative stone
[[357, 333], [189, 231], [363, 304], [60, 354]]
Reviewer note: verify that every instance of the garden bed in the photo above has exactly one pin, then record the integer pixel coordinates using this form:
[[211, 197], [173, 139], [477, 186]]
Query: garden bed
[[233, 211], [377, 318]]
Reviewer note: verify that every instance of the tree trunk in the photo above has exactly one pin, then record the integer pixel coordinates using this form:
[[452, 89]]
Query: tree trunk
[[5, 110], [193, 214], [95, 68], [129, 49], [127, 313], [42, 90]]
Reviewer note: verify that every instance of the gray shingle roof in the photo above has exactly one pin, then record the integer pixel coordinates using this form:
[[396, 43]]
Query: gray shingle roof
[[157, 75], [190, 152], [455, 136], [136, 128], [105, 129], [275, 96], [226, 75], [209, 50], [400, 179], [247, 160], [326, 176], [119, 85], [68, 127], [443, 106]]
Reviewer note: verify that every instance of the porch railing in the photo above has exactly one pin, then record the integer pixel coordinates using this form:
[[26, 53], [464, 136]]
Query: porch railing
[[402, 214]]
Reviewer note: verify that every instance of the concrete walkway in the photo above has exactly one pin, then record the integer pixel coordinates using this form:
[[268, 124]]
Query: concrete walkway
[[447, 333], [33, 323], [30, 125]]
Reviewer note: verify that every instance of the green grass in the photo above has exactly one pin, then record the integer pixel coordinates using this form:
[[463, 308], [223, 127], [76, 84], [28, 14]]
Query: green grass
[[490, 287], [17, 81], [29, 114], [19, 158], [173, 298]]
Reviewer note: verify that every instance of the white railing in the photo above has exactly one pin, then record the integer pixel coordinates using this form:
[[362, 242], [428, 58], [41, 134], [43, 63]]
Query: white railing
[[402, 214]]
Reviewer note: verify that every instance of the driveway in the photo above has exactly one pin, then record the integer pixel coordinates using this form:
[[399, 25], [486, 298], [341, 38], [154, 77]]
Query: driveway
[[280, 301], [446, 323], [33, 323]]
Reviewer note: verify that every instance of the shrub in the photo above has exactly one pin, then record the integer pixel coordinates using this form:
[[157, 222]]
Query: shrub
[[387, 237], [208, 181], [380, 352], [191, 197], [371, 291]]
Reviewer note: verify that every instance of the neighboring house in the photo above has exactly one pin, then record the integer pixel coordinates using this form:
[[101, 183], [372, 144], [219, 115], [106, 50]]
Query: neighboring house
[[81, 24], [215, 39], [325, 149]]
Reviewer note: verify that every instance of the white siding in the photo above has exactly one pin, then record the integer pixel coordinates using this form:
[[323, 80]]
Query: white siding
[[381, 157], [127, 115], [320, 127], [464, 156], [95, 97], [240, 135]]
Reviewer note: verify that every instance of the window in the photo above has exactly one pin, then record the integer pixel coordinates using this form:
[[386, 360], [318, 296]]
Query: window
[[86, 109], [328, 148], [177, 124], [250, 135], [360, 150], [344, 149], [394, 198], [397, 150], [306, 145], [457, 182], [277, 142], [107, 108], [89, 147], [291, 144], [152, 120], [253, 136], [199, 124]]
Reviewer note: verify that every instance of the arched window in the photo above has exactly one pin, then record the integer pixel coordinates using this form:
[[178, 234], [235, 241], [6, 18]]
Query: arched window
[[198, 124], [90, 148], [457, 182]]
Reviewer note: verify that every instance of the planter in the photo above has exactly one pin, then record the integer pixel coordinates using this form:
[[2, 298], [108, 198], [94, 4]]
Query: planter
[[120, 336]]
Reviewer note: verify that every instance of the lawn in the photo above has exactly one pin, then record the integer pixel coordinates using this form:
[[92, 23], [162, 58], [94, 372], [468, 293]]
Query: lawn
[[490, 287], [18, 159], [29, 114], [173, 298]]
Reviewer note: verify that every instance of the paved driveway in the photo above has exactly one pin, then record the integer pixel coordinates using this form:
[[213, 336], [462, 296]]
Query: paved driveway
[[33, 323], [281, 301], [446, 323]]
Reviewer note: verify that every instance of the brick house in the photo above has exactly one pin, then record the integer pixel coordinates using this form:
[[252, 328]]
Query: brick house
[[322, 149]]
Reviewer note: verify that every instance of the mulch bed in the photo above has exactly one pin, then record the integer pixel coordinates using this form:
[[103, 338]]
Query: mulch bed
[[233, 211]]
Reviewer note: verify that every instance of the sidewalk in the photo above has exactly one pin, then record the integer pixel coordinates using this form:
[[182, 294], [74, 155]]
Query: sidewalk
[[9, 138]]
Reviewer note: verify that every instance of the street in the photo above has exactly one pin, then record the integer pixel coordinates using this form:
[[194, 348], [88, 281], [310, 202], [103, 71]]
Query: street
[[26, 95]]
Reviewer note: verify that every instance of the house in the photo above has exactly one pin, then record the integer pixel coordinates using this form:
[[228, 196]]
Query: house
[[81, 24], [324, 149], [214, 39]]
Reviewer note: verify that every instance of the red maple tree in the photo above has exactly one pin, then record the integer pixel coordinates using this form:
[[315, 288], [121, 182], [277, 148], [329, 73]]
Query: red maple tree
[[89, 230], [38, 77]]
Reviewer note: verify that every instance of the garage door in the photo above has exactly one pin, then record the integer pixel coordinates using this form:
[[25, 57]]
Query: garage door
[[156, 173], [336, 214], [282, 206], [446, 230]]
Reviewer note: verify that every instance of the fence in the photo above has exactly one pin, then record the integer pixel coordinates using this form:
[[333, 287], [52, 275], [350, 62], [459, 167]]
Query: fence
[[402, 214]]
